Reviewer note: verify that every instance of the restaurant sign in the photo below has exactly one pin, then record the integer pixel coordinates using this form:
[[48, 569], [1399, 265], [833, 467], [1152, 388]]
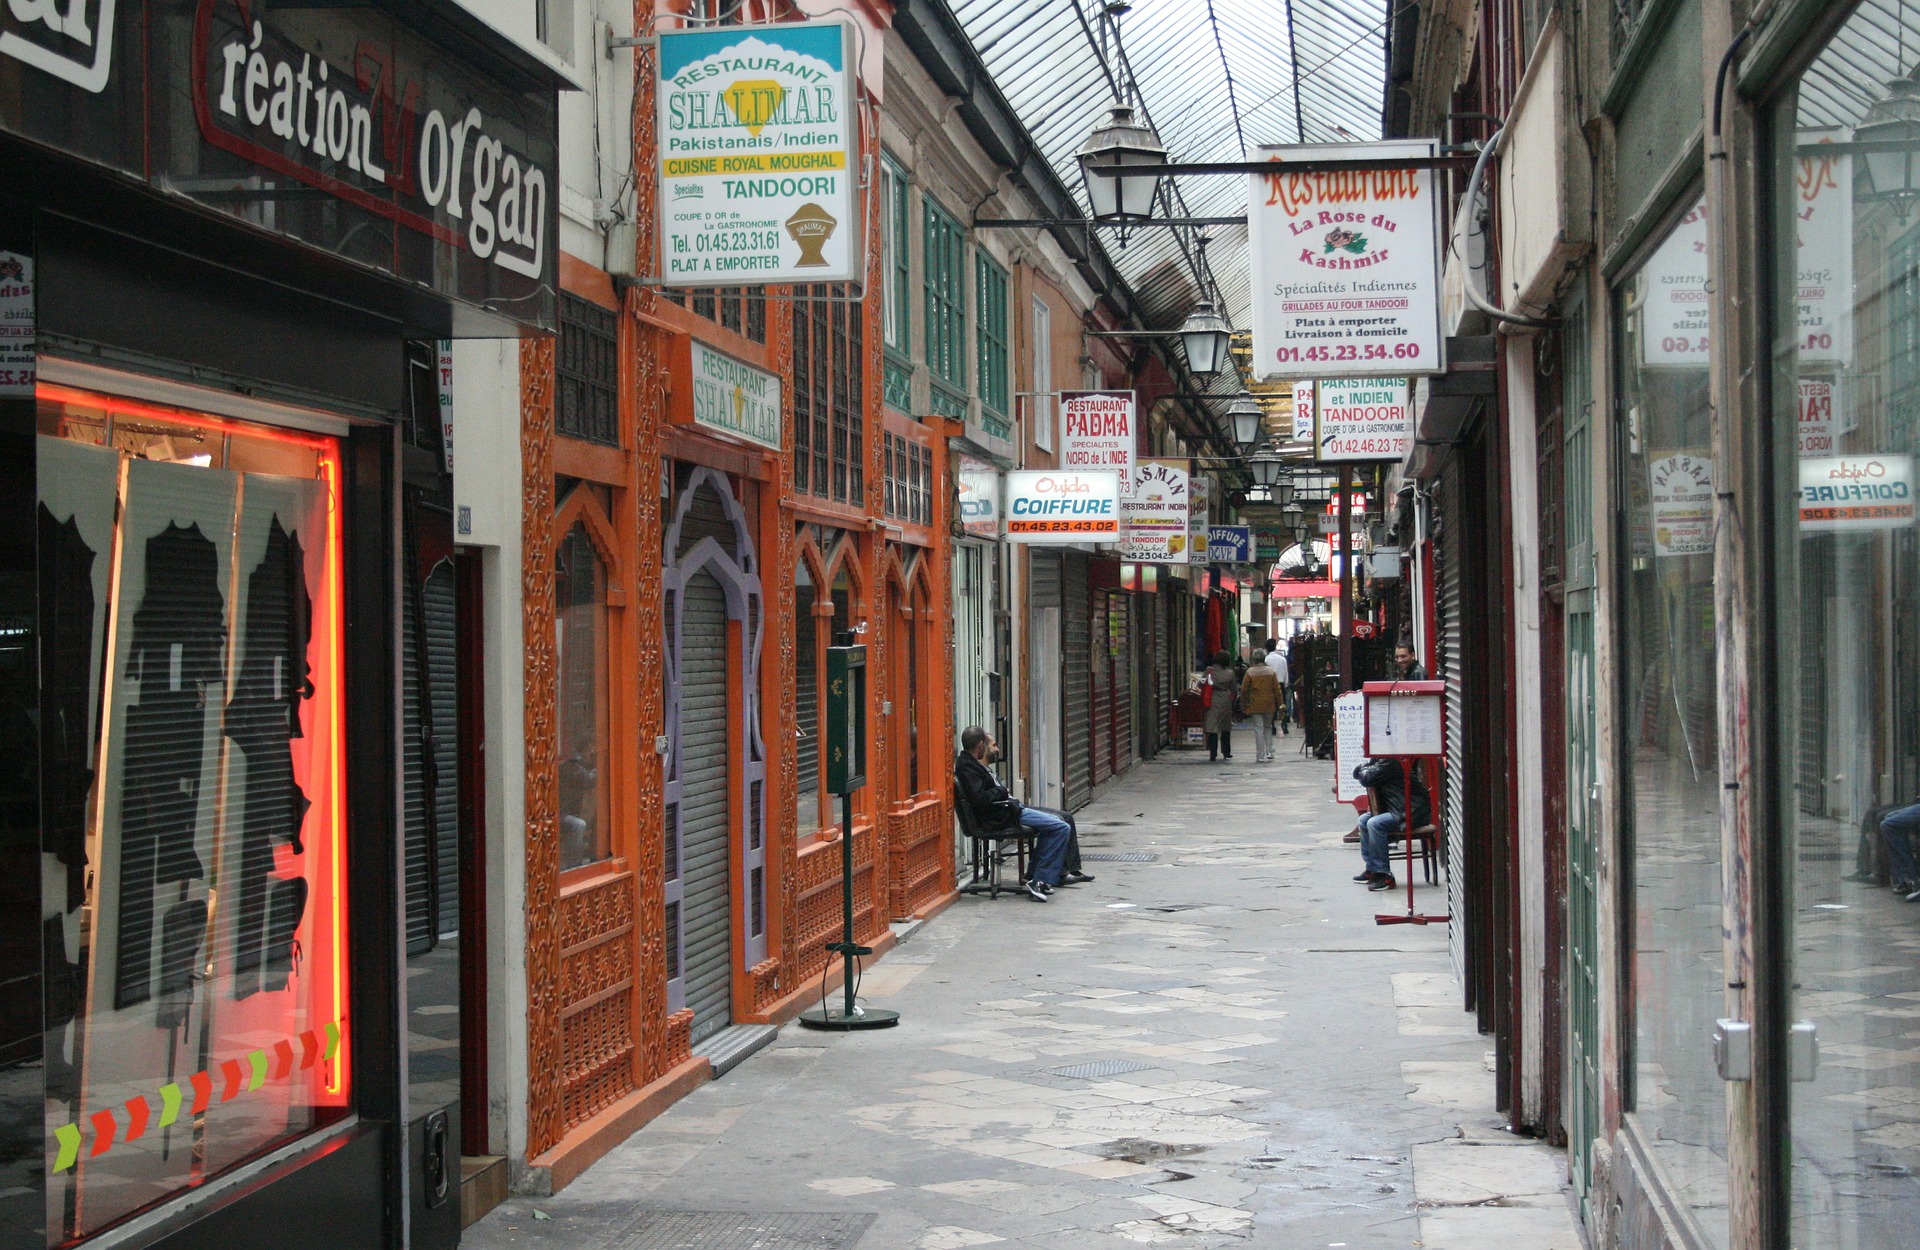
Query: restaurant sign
[[334, 126], [735, 399], [1062, 506], [1154, 514], [1346, 263], [1097, 430], [1856, 493], [1362, 419], [759, 177]]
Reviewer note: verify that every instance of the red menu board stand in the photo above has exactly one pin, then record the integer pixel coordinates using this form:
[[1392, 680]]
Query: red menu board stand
[[1406, 720]]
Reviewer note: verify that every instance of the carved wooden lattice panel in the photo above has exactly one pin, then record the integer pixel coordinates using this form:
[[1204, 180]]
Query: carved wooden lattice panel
[[597, 976], [544, 1109]]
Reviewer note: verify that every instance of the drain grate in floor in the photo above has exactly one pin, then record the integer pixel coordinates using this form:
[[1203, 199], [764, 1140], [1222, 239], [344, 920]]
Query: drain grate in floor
[[1120, 857], [735, 1230], [1099, 1068]]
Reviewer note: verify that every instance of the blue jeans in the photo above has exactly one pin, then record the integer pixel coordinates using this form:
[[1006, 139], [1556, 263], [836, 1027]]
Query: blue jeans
[[1374, 831], [1049, 844], [1898, 828]]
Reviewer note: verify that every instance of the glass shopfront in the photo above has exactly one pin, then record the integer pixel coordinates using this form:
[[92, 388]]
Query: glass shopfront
[[1846, 434], [191, 754], [1667, 714]]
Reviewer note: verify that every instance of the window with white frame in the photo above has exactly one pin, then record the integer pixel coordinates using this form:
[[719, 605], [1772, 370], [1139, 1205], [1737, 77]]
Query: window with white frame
[[1040, 403]]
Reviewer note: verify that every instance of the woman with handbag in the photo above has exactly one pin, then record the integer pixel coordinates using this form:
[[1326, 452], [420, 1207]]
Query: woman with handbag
[[1219, 689]]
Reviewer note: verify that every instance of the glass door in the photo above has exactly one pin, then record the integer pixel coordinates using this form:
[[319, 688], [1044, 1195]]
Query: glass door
[[1846, 431]]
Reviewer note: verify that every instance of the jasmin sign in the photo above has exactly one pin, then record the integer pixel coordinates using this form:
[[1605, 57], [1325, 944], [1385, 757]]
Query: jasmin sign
[[759, 177], [1154, 514], [1346, 263]]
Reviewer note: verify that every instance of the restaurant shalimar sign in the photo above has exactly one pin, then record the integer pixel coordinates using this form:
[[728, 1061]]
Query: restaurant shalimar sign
[[333, 125], [759, 168], [1346, 264]]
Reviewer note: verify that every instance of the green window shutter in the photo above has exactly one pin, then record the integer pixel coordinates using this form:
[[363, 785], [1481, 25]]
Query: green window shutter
[[946, 298], [990, 295], [898, 287]]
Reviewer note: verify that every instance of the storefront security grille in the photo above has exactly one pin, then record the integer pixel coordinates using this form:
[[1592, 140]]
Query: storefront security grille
[[587, 369]]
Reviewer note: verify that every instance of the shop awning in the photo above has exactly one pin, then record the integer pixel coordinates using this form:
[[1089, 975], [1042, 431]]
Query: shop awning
[[1305, 590]]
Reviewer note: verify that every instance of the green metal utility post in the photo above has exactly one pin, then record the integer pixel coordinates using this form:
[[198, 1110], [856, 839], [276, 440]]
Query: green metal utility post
[[846, 698]]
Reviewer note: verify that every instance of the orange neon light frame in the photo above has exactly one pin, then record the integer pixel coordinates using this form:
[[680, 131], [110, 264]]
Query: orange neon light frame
[[335, 1076]]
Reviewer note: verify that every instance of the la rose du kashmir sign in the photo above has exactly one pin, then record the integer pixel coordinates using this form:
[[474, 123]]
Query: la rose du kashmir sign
[[1346, 264], [759, 177]]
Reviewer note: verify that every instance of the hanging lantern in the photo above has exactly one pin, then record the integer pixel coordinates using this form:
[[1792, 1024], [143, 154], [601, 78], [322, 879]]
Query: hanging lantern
[[1888, 170], [1122, 144], [1205, 334], [1245, 414]]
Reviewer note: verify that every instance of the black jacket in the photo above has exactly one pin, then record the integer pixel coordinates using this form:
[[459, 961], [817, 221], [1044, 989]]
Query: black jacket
[[1386, 779], [989, 802]]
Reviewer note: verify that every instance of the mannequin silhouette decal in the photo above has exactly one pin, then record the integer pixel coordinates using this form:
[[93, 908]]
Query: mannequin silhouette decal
[[66, 696], [178, 650], [262, 720]]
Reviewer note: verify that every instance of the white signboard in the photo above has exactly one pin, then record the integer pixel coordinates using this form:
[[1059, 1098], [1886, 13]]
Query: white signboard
[[1682, 502], [1823, 226], [17, 343], [1363, 419], [979, 498], [1349, 744], [1303, 410], [1856, 493], [443, 369], [1816, 416], [1062, 506], [1154, 514], [1673, 329], [1096, 430], [759, 165], [1199, 511], [735, 399], [1346, 265], [1405, 724]]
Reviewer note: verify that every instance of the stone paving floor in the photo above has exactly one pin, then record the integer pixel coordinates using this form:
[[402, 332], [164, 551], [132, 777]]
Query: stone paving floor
[[1273, 1069]]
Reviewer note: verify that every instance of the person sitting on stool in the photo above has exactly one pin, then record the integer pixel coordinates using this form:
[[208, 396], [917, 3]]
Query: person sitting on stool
[[1383, 777], [1055, 838]]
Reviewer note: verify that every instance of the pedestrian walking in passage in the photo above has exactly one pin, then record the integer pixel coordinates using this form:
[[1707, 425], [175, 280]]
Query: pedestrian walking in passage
[[1219, 692], [994, 808], [1277, 661], [1260, 699], [1385, 778]]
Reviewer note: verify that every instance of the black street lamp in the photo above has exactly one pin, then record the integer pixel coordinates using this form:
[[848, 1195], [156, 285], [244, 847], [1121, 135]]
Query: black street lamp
[[1122, 144], [1245, 413], [1205, 334]]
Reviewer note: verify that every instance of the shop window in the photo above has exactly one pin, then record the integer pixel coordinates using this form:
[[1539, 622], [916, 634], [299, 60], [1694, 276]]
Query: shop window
[[587, 372], [1671, 728], [193, 798], [829, 434], [898, 335], [945, 257], [909, 472], [581, 637], [1846, 435], [990, 322]]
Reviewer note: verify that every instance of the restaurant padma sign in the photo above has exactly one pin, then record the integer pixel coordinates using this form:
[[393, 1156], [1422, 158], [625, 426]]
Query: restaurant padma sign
[[335, 126]]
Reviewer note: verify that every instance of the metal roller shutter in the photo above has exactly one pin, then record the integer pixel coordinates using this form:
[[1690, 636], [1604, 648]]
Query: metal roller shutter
[[1076, 721], [419, 854], [705, 812], [1100, 670], [431, 763], [443, 697], [1449, 608], [1120, 664]]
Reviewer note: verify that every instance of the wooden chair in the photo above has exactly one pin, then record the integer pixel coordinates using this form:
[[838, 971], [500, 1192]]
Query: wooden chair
[[990, 851], [1426, 842]]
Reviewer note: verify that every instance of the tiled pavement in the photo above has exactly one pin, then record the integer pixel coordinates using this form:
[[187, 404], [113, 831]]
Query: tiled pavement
[[1275, 1070]]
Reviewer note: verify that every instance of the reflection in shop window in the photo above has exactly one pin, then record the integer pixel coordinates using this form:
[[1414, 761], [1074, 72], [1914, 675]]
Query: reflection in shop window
[[819, 620], [192, 798], [580, 650], [1671, 727], [1846, 319]]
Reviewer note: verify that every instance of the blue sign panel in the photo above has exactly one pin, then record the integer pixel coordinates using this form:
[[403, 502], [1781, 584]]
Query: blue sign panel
[[1230, 544]]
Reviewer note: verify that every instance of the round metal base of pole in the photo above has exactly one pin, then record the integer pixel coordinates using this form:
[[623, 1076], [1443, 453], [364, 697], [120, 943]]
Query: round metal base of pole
[[837, 1019]]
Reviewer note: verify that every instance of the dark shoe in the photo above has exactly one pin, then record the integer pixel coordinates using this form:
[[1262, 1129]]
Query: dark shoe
[[1353, 835], [1037, 891], [1382, 882], [1076, 878], [1365, 877]]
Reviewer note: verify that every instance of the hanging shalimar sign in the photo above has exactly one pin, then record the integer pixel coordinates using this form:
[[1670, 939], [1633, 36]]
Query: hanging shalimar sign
[[1346, 264]]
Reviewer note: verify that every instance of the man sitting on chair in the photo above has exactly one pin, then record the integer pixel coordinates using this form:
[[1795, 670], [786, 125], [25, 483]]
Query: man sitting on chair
[[994, 809], [1385, 778]]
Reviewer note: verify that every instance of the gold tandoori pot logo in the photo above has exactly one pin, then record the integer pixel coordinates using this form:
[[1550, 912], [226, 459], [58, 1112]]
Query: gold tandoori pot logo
[[811, 226]]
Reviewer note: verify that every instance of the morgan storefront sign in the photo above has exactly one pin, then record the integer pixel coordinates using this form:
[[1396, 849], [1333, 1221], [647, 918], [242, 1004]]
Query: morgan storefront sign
[[1062, 506], [759, 177], [1856, 493], [1346, 264], [333, 125]]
